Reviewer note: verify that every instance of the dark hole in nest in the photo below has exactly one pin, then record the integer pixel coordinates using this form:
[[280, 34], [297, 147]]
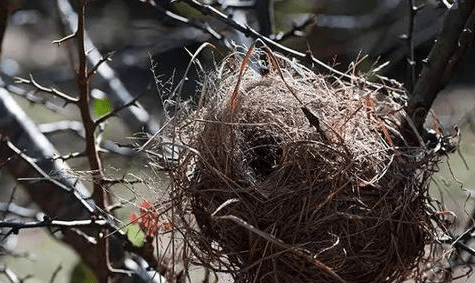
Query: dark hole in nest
[[264, 155]]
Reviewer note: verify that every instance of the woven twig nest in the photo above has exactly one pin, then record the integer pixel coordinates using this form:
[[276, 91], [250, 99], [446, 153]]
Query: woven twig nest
[[296, 177]]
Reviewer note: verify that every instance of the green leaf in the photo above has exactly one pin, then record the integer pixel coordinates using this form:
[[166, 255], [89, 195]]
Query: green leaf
[[102, 106], [135, 235]]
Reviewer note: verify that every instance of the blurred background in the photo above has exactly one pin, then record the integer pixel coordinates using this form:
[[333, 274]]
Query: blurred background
[[148, 48]]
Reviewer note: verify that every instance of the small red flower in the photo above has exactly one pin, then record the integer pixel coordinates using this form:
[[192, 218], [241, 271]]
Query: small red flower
[[148, 219]]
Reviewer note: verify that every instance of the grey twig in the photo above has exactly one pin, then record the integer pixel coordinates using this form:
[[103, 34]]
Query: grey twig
[[53, 91], [50, 223]]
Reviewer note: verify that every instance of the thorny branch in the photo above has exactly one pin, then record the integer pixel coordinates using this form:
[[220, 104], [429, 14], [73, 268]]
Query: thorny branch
[[115, 111], [99, 194], [98, 64], [296, 30], [445, 53], [410, 46], [137, 118], [307, 57], [67, 98]]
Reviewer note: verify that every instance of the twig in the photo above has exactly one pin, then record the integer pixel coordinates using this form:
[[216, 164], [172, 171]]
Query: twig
[[78, 128], [115, 111], [432, 79], [55, 273], [295, 30], [137, 118], [98, 64], [307, 58], [45, 176], [99, 194], [410, 46], [203, 26], [50, 223], [67, 98], [61, 40], [69, 156]]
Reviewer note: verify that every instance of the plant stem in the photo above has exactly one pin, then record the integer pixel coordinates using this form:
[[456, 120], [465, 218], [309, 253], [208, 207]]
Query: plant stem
[[99, 192]]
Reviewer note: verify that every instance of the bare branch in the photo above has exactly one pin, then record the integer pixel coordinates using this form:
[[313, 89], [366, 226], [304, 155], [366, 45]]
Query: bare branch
[[136, 118], [78, 128], [67, 98], [44, 175], [115, 111], [99, 193], [410, 46], [50, 223], [7, 82], [203, 26], [432, 78], [98, 64], [307, 58], [60, 41], [296, 29]]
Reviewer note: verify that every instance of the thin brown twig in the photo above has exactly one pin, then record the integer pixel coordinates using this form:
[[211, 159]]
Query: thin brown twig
[[67, 98], [114, 112], [104, 59], [99, 193]]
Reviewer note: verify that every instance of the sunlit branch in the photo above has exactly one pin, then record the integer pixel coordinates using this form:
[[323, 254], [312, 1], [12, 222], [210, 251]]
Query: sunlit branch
[[67, 98]]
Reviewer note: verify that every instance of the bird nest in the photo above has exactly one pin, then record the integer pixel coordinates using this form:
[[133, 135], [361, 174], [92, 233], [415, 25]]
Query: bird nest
[[291, 176]]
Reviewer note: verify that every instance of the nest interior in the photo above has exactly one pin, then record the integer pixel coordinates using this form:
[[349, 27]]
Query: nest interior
[[293, 177]]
